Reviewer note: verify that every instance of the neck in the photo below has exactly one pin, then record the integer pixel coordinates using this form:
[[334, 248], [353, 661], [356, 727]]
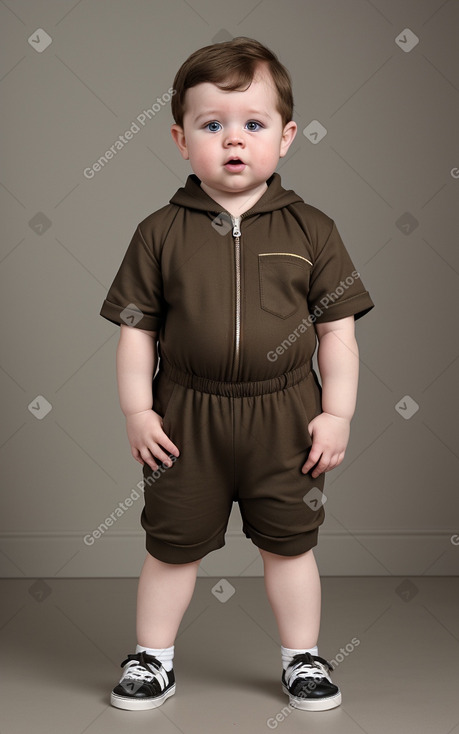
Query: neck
[[236, 204]]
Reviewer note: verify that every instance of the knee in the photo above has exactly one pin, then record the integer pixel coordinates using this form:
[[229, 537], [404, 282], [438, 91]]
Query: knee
[[268, 555]]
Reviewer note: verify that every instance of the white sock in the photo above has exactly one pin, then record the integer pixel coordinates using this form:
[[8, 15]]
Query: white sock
[[288, 654], [165, 655]]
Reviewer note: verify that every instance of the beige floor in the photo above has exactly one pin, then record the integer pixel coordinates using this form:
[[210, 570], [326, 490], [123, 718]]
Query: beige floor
[[62, 642]]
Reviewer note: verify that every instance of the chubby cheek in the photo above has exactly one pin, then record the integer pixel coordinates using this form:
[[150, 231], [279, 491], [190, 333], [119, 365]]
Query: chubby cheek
[[266, 157], [202, 155]]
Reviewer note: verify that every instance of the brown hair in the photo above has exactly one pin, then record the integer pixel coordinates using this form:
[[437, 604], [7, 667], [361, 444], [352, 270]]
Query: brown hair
[[231, 65]]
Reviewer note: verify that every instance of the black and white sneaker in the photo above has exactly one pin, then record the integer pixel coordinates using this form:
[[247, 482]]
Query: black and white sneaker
[[308, 684], [145, 684]]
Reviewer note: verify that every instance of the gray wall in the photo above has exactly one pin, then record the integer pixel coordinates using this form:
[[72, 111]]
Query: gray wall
[[387, 171]]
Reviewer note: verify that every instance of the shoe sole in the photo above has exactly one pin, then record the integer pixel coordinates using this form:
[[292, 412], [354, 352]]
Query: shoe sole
[[132, 704], [311, 704]]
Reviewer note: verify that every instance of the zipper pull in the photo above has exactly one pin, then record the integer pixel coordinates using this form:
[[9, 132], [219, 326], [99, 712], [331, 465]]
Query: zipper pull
[[236, 224]]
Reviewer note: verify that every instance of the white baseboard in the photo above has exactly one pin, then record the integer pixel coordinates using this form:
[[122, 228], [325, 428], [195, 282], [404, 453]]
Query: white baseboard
[[121, 554]]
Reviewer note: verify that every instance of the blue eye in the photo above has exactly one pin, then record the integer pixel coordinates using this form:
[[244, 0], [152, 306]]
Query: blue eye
[[213, 127], [253, 126]]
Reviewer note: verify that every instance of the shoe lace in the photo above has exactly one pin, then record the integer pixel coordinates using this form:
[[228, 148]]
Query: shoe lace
[[140, 669], [309, 666]]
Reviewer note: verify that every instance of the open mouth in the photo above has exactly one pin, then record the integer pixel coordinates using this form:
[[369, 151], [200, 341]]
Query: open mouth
[[235, 164]]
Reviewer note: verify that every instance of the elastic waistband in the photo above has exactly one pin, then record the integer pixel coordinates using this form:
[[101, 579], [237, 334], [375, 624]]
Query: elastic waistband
[[235, 389]]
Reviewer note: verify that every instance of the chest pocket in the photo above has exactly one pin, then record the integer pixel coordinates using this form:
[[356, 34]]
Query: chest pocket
[[283, 280]]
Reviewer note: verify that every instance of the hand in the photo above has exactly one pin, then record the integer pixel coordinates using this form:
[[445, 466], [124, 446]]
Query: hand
[[147, 439], [330, 436]]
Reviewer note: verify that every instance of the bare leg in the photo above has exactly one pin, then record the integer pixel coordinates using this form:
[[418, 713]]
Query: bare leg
[[164, 593], [293, 589]]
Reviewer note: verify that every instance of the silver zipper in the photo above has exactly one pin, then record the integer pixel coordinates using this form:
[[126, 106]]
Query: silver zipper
[[237, 264]]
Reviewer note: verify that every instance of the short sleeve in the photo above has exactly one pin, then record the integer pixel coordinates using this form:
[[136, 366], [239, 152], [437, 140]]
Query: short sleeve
[[135, 297], [336, 289]]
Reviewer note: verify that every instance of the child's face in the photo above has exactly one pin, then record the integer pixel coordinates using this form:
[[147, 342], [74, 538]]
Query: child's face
[[219, 126]]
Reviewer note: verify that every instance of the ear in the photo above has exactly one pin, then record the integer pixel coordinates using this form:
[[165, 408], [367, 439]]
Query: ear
[[179, 139], [288, 135]]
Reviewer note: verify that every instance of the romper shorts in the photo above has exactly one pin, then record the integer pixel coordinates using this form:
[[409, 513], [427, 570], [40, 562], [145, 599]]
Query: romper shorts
[[239, 442]]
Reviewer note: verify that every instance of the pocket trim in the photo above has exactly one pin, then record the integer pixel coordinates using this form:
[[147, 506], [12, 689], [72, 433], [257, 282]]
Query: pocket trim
[[290, 254]]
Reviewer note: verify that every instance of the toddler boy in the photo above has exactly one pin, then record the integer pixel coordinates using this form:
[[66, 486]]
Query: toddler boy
[[229, 285]]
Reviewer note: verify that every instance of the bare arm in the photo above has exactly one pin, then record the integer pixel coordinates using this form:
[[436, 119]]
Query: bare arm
[[338, 359], [136, 360]]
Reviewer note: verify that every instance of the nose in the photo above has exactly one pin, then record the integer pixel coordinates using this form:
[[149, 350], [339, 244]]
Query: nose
[[234, 138]]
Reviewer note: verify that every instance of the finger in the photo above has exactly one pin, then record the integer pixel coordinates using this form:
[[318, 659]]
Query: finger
[[136, 454], [313, 458], [335, 461], [167, 444], [160, 455], [149, 458], [321, 467]]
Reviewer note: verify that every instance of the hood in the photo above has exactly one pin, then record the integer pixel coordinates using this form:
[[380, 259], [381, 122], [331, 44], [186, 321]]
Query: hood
[[193, 196]]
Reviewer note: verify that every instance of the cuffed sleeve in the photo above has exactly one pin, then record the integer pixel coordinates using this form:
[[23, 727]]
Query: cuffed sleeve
[[135, 297], [336, 289]]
